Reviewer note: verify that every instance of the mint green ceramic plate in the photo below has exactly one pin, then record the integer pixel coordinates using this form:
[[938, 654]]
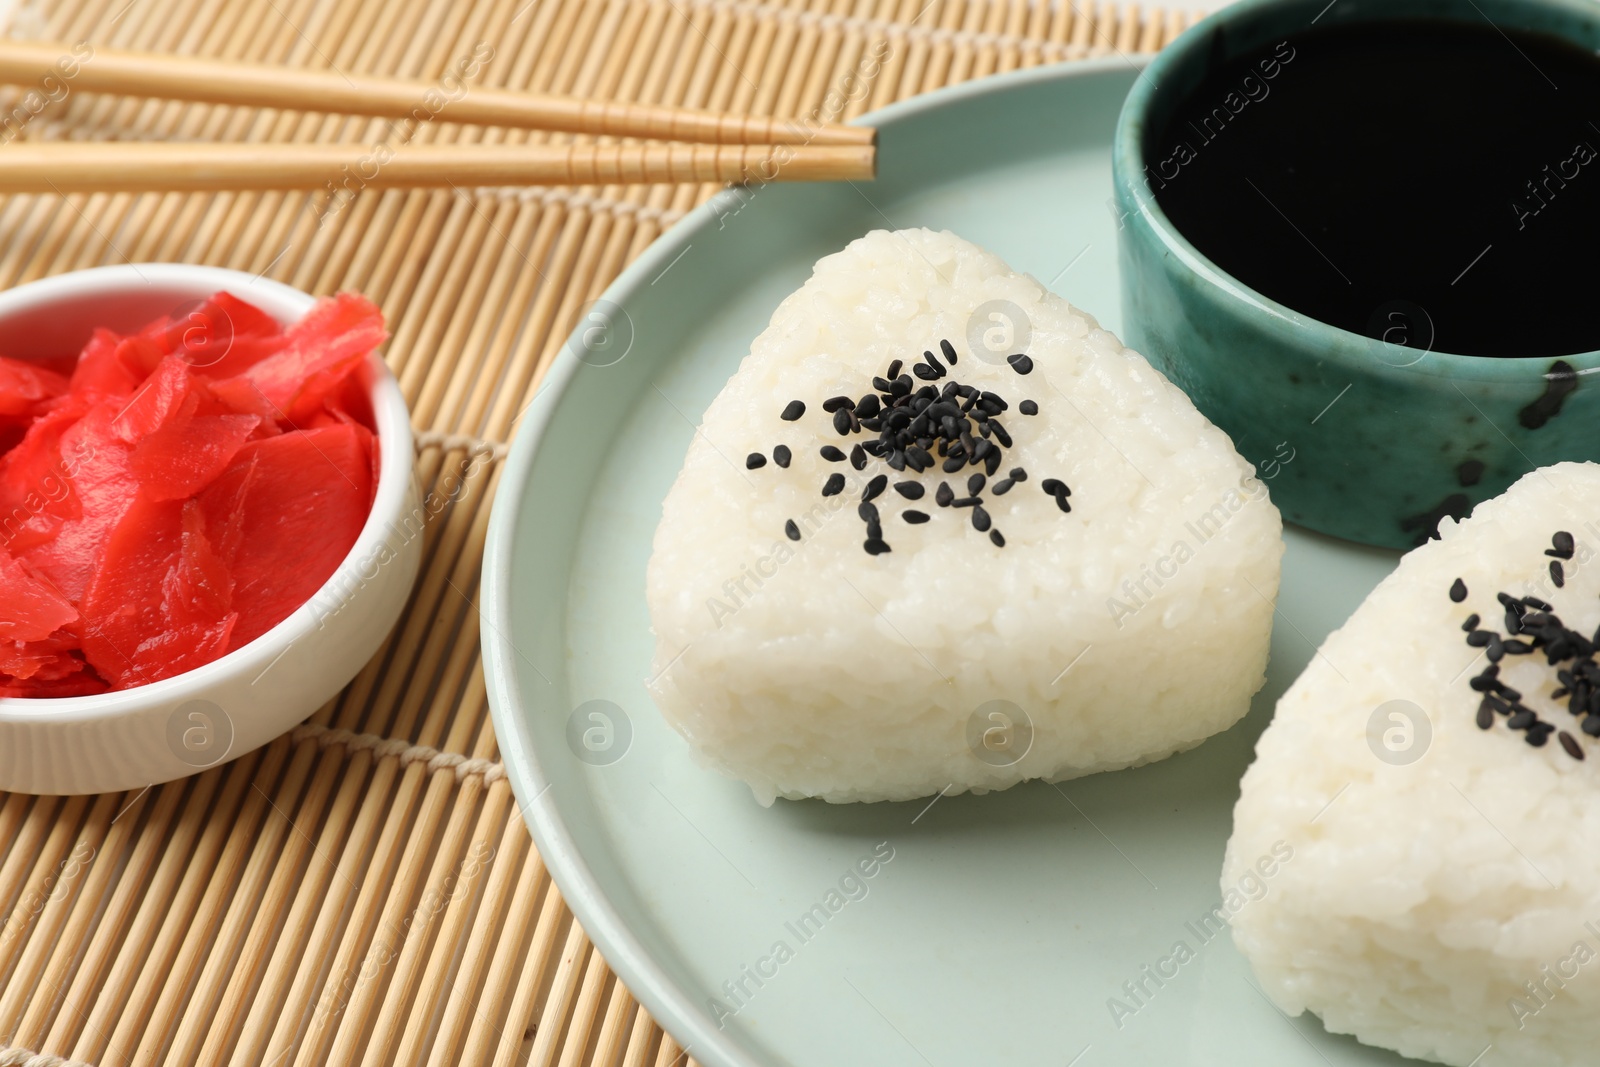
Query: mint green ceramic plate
[[1003, 924]]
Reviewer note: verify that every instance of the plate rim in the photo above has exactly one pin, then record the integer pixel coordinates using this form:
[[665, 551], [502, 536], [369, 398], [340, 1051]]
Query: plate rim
[[673, 1007]]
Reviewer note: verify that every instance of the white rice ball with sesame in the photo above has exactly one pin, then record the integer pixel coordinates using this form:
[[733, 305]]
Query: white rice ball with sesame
[[1121, 631], [1443, 899]]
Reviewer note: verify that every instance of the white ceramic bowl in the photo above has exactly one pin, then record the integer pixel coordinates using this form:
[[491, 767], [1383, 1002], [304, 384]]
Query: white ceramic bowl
[[195, 720]]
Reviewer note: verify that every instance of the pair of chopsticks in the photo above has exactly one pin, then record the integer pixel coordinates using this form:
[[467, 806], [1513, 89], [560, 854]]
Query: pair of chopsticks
[[688, 145]]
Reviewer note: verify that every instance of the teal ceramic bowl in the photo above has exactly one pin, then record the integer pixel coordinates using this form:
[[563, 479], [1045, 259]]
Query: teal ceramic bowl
[[1367, 440]]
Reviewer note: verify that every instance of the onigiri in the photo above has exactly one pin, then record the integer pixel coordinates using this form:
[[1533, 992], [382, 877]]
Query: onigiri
[[1430, 772], [941, 532]]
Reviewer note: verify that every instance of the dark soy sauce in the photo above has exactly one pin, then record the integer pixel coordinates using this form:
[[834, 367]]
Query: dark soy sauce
[[1435, 184]]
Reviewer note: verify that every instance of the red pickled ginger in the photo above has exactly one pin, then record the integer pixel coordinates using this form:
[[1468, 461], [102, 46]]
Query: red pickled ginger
[[181, 493]]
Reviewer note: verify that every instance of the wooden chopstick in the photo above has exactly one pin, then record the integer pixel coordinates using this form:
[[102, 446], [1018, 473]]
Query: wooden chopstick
[[127, 167], [173, 77]]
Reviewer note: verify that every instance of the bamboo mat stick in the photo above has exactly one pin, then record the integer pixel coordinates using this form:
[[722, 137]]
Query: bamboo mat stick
[[492, 924], [210, 81], [341, 169], [94, 969], [101, 849]]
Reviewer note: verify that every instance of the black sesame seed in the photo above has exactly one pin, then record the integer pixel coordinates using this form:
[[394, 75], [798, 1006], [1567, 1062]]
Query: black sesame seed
[[1570, 743], [869, 406], [949, 351], [980, 519], [858, 458], [967, 502], [834, 403], [944, 494], [1458, 591], [1471, 623], [975, 485], [834, 485], [1514, 647], [914, 517], [754, 461], [841, 422], [909, 490], [897, 460], [875, 546], [1557, 575], [1485, 715], [1563, 545], [1522, 720], [1000, 433], [1017, 474], [1537, 738], [1535, 602], [1002, 487], [792, 530], [1479, 638], [831, 454], [1061, 502], [894, 370], [874, 530], [955, 463], [781, 455], [875, 487], [991, 462], [998, 538], [926, 373], [1020, 363], [868, 511], [1028, 407], [1051, 485], [793, 411]]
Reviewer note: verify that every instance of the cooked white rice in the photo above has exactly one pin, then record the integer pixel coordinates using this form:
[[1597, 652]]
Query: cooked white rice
[[812, 669], [1448, 906]]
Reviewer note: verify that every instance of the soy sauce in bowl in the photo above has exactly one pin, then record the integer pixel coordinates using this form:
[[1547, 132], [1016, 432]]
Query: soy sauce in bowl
[[1432, 183]]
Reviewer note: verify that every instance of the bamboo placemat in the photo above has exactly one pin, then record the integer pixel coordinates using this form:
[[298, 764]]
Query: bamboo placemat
[[363, 890]]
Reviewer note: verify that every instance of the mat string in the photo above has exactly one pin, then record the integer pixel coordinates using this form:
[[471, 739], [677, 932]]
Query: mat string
[[490, 770], [460, 442], [21, 1057]]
